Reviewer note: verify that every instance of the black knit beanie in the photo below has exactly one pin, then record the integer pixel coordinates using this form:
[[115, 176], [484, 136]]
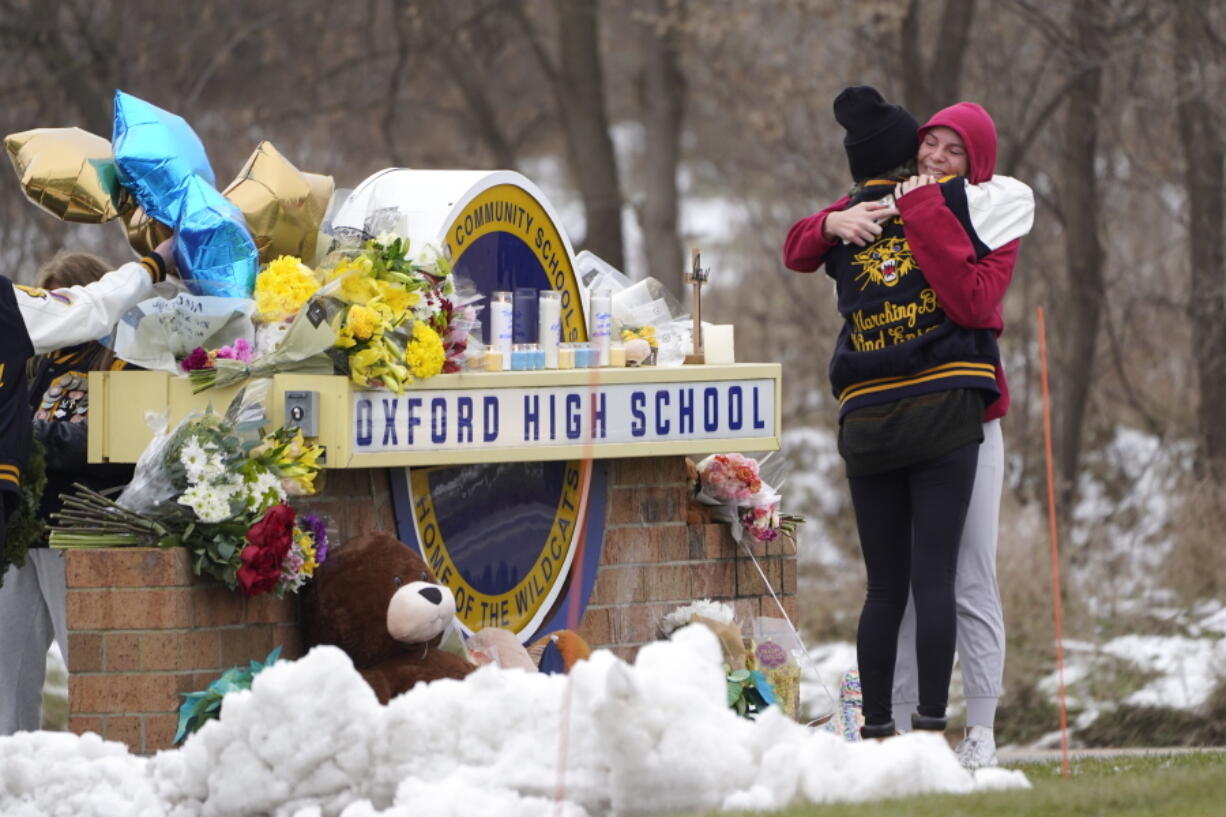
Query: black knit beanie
[[880, 136]]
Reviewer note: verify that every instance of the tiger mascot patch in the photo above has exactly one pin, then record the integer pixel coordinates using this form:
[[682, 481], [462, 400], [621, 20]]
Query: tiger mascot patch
[[885, 262]]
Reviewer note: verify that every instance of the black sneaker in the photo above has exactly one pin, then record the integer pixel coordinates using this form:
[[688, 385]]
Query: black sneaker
[[878, 731], [927, 723]]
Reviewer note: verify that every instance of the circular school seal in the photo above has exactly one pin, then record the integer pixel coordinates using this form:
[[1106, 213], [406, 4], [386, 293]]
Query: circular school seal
[[518, 543]]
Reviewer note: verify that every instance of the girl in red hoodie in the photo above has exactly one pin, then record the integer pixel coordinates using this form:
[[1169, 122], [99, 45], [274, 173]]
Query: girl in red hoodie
[[964, 238]]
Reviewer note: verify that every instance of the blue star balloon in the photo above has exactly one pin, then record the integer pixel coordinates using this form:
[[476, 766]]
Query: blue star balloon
[[161, 161], [213, 247], [156, 152]]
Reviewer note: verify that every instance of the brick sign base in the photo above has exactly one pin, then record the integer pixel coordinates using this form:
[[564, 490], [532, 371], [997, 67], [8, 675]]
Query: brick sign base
[[143, 630]]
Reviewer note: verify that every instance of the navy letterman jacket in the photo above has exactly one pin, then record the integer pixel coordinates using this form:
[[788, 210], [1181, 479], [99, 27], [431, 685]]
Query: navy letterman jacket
[[15, 350], [896, 339]]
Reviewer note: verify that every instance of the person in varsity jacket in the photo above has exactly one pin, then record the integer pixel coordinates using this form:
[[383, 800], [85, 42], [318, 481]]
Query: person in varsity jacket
[[35, 321], [963, 234], [33, 596]]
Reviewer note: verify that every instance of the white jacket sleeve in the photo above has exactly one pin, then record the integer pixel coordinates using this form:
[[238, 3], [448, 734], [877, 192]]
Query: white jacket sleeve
[[71, 315], [1001, 209]]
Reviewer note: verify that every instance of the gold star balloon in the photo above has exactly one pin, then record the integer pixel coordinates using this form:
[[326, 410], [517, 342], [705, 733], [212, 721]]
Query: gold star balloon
[[68, 172], [282, 205], [144, 231]]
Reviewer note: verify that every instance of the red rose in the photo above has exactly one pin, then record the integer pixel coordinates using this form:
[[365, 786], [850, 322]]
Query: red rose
[[269, 541]]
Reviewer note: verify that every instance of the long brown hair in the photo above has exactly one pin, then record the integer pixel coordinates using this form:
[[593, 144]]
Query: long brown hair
[[70, 269]]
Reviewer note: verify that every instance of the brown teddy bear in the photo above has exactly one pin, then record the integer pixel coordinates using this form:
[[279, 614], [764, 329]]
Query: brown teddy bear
[[377, 600]]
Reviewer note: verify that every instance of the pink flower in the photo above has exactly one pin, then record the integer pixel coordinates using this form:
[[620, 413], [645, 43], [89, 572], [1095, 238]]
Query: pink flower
[[731, 477], [241, 350]]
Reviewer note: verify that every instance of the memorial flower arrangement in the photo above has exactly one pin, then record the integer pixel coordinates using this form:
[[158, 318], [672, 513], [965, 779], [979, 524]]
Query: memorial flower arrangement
[[282, 288], [200, 358], [763, 520], [727, 477], [751, 505], [218, 488], [403, 319], [291, 330], [373, 312]]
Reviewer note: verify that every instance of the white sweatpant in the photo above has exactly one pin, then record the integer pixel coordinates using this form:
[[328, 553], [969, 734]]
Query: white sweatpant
[[981, 625], [32, 612]]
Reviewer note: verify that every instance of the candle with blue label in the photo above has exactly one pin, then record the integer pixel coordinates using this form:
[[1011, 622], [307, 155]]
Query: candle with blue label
[[549, 311], [501, 321], [602, 325]]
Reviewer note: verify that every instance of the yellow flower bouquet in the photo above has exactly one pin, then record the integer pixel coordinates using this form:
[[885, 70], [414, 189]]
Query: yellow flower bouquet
[[391, 331]]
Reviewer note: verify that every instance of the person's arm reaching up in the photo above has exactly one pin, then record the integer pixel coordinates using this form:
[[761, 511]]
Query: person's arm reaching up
[[71, 315]]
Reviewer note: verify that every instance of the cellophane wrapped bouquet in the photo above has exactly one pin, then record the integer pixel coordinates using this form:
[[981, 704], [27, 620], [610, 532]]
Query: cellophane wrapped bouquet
[[218, 487], [292, 330], [402, 317], [733, 483], [370, 311]]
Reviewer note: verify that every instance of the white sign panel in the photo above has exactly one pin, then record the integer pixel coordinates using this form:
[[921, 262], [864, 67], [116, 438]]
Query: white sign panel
[[457, 419]]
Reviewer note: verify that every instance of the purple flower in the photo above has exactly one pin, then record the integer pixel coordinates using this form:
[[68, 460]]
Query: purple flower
[[319, 531], [198, 359]]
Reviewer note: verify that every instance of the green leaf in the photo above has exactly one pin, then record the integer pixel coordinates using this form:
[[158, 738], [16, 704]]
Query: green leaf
[[740, 676]]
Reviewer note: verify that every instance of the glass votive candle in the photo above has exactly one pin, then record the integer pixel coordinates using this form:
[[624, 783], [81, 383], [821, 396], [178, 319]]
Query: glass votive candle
[[491, 361], [519, 357], [534, 356], [617, 355], [566, 356], [589, 354]]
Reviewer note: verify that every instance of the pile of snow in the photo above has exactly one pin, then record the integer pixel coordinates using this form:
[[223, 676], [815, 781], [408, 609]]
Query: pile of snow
[[309, 739]]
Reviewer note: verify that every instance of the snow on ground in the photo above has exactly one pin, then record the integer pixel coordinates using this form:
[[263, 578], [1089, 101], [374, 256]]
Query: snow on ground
[[309, 740], [1186, 668]]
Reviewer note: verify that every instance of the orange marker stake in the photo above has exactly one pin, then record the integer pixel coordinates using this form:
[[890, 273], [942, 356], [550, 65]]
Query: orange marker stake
[[1055, 542]]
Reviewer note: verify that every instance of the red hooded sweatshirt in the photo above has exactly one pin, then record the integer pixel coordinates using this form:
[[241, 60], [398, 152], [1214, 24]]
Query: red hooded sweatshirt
[[970, 288]]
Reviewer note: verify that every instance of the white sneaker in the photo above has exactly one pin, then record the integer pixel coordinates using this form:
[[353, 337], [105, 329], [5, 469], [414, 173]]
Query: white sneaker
[[977, 749]]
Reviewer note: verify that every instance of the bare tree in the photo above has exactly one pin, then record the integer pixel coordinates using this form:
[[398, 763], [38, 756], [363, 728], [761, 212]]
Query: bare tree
[[932, 83], [1198, 66], [577, 80], [1081, 203], [663, 92]]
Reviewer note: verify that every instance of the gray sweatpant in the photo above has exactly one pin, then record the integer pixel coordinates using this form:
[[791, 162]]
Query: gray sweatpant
[[981, 626], [32, 612]]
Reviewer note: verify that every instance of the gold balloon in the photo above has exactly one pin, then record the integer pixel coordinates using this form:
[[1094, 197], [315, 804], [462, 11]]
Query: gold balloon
[[68, 172], [322, 188], [144, 231], [283, 206]]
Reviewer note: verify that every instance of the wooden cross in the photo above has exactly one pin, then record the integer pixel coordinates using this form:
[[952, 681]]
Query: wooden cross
[[696, 277]]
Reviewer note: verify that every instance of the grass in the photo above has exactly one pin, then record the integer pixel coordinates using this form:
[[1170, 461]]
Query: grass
[[1187, 785]]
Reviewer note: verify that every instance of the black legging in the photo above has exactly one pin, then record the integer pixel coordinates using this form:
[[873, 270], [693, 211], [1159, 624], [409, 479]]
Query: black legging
[[910, 522]]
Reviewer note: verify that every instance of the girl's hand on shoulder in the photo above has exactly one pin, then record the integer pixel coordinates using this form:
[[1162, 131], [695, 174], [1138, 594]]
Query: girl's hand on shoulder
[[911, 184], [858, 224]]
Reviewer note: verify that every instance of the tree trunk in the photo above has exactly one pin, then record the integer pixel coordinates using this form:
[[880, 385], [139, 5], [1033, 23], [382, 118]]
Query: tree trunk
[[929, 85], [589, 145], [1200, 134], [456, 58], [663, 113], [1081, 203], [88, 80]]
